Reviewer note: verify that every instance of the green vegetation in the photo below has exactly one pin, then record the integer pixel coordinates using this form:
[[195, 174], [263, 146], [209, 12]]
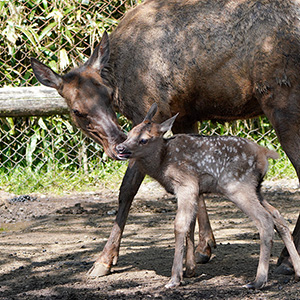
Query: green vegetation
[[45, 154], [49, 154], [41, 154], [22, 181], [62, 33]]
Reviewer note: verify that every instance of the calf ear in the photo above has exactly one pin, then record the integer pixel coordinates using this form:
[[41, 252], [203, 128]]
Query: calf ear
[[167, 125], [152, 111], [45, 75], [100, 56]]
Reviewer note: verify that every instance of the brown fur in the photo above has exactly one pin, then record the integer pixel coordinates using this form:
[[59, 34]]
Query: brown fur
[[189, 165], [219, 60]]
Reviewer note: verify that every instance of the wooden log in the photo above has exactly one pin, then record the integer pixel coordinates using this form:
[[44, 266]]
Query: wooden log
[[31, 101]]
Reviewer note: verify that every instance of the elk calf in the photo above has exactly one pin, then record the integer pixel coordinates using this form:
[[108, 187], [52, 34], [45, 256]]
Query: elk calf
[[189, 165]]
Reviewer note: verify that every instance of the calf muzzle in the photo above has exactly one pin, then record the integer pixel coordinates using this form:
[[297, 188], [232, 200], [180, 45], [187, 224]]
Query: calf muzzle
[[122, 152]]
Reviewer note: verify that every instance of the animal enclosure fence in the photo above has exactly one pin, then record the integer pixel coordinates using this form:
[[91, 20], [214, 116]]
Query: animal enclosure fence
[[45, 150], [61, 33], [39, 152]]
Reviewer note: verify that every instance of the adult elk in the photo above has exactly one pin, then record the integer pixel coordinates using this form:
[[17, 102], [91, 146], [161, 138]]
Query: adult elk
[[218, 60]]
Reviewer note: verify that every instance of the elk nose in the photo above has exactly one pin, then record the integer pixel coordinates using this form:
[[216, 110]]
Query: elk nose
[[120, 148]]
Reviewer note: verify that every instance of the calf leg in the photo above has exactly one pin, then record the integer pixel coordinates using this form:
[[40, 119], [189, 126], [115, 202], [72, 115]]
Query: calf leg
[[109, 256], [285, 234], [246, 199], [206, 237], [190, 262], [187, 202]]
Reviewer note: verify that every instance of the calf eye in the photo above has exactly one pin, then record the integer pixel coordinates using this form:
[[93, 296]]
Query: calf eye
[[143, 141]]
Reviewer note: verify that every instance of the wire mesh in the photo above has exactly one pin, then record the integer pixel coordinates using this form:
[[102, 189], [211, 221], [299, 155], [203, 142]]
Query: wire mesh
[[61, 32], [41, 153]]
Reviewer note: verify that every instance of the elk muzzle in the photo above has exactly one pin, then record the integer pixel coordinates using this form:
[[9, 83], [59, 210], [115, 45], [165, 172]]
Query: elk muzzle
[[122, 152]]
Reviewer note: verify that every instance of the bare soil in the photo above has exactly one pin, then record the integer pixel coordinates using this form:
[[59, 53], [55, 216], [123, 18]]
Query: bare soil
[[48, 244]]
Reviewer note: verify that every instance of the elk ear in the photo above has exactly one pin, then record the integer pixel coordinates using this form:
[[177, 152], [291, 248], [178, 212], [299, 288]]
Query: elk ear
[[100, 56], [45, 75], [152, 111], [167, 125]]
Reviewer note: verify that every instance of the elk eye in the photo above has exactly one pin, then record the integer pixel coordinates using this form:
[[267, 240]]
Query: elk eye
[[143, 141], [78, 113]]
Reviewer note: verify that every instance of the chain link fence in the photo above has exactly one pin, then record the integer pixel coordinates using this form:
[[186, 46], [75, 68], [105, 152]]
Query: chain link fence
[[61, 33], [38, 154], [44, 154]]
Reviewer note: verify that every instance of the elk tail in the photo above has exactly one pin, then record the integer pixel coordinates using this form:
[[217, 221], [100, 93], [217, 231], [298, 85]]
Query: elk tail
[[272, 154]]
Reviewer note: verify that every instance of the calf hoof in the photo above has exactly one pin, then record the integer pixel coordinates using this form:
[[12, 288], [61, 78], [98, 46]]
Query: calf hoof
[[203, 256], [203, 253], [98, 270], [189, 272], [284, 269], [172, 284], [255, 285]]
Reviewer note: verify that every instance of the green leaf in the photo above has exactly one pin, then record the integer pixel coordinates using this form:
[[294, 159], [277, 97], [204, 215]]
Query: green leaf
[[64, 60], [69, 126], [68, 36], [42, 124], [46, 30], [11, 124], [31, 148], [30, 34]]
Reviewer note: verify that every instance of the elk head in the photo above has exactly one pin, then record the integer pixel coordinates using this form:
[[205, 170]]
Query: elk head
[[146, 133], [89, 94]]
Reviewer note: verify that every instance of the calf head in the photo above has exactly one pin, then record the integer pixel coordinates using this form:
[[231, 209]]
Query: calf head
[[89, 94], [144, 138]]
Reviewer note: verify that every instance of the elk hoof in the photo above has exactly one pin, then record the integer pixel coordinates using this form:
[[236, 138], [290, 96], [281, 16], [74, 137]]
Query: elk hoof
[[255, 285], [190, 272], [284, 269], [249, 286], [172, 284], [98, 270], [201, 258], [203, 255]]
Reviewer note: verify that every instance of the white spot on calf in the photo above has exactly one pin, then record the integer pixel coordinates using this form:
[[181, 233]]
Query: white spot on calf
[[251, 161]]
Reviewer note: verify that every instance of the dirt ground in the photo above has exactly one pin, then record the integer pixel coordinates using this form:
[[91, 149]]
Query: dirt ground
[[48, 244]]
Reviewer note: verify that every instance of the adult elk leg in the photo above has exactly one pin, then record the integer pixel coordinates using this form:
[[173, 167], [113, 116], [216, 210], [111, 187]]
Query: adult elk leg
[[206, 236], [202, 253], [286, 122], [285, 234], [284, 264], [109, 256]]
